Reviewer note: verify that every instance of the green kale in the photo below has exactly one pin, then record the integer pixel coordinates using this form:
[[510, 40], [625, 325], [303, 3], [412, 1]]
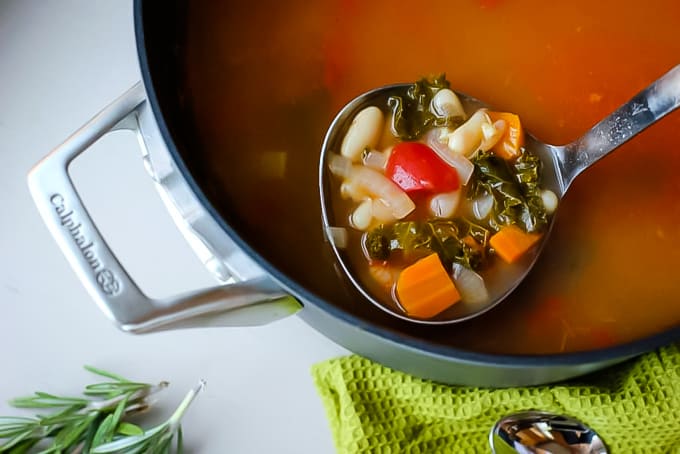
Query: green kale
[[378, 243], [514, 187], [450, 239], [411, 115]]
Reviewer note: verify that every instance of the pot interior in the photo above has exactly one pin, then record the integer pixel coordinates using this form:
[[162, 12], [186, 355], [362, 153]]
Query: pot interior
[[248, 91]]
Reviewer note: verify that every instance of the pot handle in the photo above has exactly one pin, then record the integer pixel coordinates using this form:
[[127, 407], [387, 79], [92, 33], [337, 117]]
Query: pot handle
[[252, 302]]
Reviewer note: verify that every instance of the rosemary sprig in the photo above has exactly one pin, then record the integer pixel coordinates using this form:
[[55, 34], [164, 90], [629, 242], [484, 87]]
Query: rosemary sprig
[[94, 423]]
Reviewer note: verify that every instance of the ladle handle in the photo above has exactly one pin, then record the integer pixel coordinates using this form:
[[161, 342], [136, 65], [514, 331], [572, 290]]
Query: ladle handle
[[644, 109], [242, 303]]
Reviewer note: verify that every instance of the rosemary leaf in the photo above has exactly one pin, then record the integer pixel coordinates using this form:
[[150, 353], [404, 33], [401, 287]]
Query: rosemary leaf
[[107, 428], [17, 441], [126, 428], [109, 390], [180, 441], [69, 435], [11, 426], [23, 447], [44, 400], [104, 373]]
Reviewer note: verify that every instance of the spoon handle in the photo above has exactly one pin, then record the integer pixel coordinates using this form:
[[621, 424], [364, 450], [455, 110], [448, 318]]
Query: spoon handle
[[645, 108]]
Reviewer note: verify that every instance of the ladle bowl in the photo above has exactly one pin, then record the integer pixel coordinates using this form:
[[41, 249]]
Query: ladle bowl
[[561, 165]]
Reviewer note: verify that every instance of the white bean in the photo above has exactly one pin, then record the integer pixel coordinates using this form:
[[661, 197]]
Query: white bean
[[364, 132], [445, 103], [549, 201], [363, 215]]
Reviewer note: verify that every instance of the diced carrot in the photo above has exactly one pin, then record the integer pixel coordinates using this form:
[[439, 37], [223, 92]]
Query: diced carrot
[[508, 146], [511, 242], [425, 288]]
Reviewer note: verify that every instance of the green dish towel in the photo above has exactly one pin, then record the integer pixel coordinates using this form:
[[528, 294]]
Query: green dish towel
[[634, 406]]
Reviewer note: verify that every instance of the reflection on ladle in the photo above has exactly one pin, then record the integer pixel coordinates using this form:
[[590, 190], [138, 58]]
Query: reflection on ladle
[[543, 433], [560, 165]]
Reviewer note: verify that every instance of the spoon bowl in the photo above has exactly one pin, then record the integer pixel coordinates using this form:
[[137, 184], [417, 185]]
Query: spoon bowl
[[546, 433], [560, 166]]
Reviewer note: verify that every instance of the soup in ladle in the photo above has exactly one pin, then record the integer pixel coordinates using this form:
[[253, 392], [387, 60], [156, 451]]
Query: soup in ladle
[[437, 202]]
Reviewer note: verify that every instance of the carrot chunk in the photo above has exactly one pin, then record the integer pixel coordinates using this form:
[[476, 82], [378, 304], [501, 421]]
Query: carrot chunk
[[425, 288], [511, 242], [509, 145]]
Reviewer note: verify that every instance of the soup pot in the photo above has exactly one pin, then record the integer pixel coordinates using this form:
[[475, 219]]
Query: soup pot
[[251, 288]]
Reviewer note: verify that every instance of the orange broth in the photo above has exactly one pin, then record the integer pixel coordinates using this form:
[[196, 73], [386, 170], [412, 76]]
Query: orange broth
[[264, 80]]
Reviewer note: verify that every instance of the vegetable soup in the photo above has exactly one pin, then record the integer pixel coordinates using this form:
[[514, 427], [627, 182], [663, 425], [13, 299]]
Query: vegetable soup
[[264, 80]]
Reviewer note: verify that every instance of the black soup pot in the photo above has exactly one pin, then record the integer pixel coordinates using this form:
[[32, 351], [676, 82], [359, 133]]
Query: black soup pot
[[254, 285]]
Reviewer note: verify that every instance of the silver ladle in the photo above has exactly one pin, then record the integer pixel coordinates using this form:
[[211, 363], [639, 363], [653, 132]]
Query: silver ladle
[[561, 165], [543, 433]]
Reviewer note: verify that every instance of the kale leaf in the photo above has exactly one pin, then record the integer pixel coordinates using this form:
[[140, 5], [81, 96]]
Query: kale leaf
[[377, 243], [514, 187], [411, 115], [455, 241]]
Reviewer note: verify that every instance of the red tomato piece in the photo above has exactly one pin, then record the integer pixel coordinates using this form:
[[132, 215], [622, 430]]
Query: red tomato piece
[[415, 167]]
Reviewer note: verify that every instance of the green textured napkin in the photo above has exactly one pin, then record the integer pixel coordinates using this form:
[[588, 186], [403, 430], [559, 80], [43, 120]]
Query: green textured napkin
[[634, 406]]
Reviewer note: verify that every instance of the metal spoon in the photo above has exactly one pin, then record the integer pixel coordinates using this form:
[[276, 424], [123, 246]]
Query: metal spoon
[[561, 165], [544, 433]]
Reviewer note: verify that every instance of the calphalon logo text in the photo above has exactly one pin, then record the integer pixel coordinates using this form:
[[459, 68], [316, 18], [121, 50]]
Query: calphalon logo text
[[106, 279]]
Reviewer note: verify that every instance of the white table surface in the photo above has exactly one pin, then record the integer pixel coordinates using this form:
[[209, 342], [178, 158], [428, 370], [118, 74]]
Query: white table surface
[[60, 62]]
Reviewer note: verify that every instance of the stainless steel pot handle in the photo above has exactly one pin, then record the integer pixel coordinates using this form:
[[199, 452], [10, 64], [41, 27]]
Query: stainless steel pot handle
[[244, 303]]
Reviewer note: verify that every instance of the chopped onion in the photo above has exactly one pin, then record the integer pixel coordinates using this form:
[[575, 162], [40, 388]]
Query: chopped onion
[[349, 189], [381, 187], [382, 213], [444, 205], [549, 201], [481, 206], [375, 159], [459, 162], [339, 165], [337, 236], [470, 285], [360, 180], [437, 135], [492, 134]]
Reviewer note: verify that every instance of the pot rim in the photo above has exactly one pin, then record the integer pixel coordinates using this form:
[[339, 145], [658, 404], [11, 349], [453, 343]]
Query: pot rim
[[628, 349]]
